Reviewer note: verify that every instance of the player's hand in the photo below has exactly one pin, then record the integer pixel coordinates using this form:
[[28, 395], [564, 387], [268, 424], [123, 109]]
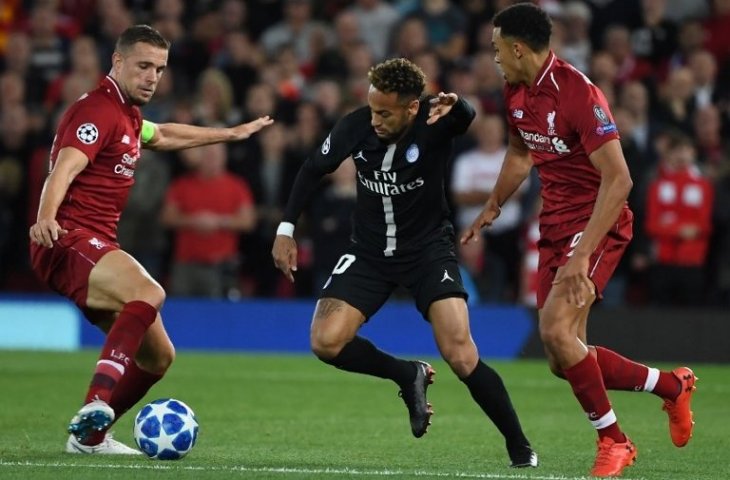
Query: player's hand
[[45, 232], [284, 252], [489, 214], [574, 276], [245, 130], [441, 105]]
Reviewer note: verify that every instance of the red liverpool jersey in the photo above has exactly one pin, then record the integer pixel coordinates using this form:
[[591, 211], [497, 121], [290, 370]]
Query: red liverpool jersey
[[105, 127], [562, 118]]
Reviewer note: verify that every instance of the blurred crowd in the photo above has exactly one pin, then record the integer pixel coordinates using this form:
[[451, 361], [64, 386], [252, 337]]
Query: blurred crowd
[[663, 64]]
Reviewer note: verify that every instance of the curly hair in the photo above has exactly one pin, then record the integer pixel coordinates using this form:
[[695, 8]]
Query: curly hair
[[526, 22], [398, 75]]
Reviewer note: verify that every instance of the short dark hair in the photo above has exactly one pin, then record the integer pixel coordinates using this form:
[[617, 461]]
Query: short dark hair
[[526, 22], [141, 33], [398, 75]]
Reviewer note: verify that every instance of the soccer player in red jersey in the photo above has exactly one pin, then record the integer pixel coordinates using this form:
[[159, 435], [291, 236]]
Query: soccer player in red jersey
[[560, 123], [74, 245]]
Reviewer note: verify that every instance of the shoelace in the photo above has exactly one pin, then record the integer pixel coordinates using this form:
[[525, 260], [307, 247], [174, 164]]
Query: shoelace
[[604, 454]]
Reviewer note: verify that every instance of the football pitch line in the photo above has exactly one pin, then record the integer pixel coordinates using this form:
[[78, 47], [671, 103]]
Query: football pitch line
[[292, 470]]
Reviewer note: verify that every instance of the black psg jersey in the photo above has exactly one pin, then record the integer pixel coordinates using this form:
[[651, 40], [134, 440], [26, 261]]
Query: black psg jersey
[[401, 200]]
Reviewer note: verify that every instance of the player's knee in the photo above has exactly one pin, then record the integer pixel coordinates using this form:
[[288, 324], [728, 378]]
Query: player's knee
[[152, 293], [553, 334], [461, 359], [324, 346]]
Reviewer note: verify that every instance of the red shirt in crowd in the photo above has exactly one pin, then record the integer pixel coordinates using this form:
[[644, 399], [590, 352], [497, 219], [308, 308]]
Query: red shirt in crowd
[[676, 200], [225, 194]]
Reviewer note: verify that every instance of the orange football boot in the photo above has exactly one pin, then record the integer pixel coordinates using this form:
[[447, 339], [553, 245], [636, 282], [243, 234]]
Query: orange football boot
[[681, 418], [612, 457]]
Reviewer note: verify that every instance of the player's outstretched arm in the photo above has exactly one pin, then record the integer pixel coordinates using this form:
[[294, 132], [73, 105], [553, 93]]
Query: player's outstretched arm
[[178, 136], [69, 163], [515, 169]]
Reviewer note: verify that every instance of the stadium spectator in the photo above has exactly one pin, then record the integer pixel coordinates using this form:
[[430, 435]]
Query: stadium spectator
[[207, 210], [560, 123], [474, 177], [446, 25], [296, 29], [401, 237], [74, 245], [376, 20], [577, 48], [679, 225]]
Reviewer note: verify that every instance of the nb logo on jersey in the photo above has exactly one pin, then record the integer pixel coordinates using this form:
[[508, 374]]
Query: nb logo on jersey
[[559, 145], [517, 113], [446, 276], [360, 156], [125, 139]]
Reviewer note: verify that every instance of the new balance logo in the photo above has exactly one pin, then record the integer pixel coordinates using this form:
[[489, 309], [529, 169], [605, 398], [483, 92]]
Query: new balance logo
[[125, 139], [446, 276], [360, 156]]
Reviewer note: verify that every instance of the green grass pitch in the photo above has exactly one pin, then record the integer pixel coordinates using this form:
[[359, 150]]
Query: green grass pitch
[[291, 417]]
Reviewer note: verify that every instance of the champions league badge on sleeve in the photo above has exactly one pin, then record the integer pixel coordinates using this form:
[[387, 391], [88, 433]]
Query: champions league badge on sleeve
[[412, 153], [606, 125], [87, 133]]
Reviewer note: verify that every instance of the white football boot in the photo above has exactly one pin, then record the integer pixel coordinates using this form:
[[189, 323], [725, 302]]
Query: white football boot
[[108, 446], [94, 416]]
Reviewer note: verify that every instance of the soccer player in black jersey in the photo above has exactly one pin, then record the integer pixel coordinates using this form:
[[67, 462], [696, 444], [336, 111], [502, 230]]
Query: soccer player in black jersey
[[400, 144]]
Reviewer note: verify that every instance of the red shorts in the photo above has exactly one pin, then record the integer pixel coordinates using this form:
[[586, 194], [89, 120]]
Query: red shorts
[[66, 267], [557, 241]]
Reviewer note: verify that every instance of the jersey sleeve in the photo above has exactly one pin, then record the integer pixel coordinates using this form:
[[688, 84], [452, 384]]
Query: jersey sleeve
[[457, 120], [334, 150], [89, 128], [588, 113]]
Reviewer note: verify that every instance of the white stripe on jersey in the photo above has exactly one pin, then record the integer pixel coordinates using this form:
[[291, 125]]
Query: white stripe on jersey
[[390, 228]]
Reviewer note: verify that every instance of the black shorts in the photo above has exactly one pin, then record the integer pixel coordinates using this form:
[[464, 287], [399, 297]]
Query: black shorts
[[365, 280]]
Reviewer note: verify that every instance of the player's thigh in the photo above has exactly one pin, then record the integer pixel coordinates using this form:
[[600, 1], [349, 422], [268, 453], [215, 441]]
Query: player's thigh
[[117, 278], [449, 319], [559, 319]]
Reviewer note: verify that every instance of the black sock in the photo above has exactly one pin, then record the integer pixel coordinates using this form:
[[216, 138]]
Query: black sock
[[487, 389], [361, 356]]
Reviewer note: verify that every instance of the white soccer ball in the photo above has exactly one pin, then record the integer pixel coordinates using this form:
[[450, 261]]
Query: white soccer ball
[[165, 429]]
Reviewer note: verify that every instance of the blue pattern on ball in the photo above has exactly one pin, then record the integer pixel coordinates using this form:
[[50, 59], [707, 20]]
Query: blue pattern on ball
[[166, 429]]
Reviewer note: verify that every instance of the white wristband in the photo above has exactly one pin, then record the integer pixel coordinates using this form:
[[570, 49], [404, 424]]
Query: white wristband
[[285, 228]]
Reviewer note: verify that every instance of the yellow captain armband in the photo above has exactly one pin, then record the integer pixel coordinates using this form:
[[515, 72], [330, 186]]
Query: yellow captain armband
[[148, 131]]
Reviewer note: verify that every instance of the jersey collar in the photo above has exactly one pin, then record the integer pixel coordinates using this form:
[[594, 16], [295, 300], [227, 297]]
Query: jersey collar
[[111, 86], [541, 77]]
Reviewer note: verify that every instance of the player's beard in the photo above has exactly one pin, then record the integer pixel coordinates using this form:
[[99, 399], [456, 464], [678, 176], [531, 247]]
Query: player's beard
[[393, 137]]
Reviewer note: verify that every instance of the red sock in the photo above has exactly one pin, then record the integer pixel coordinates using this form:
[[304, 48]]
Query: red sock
[[585, 379], [131, 388], [120, 347], [620, 373]]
